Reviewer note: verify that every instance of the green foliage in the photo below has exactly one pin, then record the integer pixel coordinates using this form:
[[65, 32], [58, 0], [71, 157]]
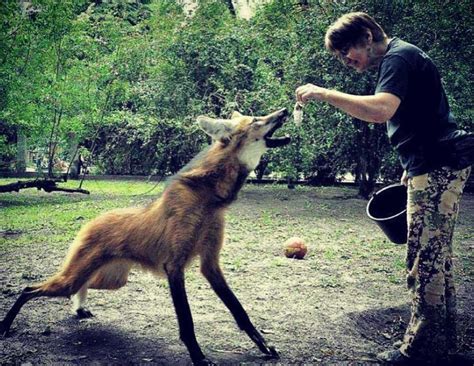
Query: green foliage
[[129, 77], [132, 145]]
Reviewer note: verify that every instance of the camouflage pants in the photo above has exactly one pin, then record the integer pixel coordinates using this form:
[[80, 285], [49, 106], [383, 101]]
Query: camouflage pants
[[433, 203]]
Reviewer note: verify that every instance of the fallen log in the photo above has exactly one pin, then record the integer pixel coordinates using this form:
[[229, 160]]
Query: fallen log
[[47, 185]]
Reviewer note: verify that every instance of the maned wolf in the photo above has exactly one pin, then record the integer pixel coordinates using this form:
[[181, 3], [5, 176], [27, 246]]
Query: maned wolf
[[185, 222]]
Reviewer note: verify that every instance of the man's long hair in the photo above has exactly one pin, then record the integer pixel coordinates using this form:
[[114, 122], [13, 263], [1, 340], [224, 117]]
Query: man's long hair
[[351, 30]]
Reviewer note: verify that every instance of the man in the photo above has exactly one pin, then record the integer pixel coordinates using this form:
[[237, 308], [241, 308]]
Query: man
[[409, 96]]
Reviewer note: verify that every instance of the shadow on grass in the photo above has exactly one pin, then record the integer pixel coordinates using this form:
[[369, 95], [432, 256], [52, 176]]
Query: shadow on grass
[[112, 343], [102, 344], [251, 193], [33, 200], [45, 201], [383, 326], [254, 192]]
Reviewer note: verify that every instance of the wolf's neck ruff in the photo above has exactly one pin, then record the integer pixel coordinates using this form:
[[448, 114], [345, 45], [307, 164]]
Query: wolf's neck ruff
[[250, 157], [216, 177]]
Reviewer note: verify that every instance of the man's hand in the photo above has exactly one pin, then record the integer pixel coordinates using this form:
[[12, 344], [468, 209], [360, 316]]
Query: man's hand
[[404, 178], [309, 92], [377, 108]]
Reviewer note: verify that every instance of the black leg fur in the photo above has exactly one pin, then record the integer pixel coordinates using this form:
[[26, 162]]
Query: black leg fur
[[185, 319], [222, 289], [27, 294]]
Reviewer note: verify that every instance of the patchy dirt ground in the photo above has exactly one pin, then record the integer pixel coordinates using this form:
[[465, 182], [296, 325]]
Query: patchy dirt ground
[[341, 305]]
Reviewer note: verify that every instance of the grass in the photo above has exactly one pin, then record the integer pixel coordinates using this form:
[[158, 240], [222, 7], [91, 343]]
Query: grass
[[351, 272], [331, 218], [54, 218]]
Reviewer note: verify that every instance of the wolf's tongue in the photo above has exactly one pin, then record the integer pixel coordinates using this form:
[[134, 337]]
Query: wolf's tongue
[[277, 141]]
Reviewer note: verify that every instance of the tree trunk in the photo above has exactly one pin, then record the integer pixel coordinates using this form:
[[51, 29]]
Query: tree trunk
[[74, 158], [53, 141], [366, 162], [290, 184], [20, 162]]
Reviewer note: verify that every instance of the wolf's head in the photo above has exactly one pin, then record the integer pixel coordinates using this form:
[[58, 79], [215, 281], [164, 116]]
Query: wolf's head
[[249, 136]]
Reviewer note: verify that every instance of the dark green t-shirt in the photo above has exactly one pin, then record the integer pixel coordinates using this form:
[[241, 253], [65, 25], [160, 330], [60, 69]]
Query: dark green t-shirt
[[423, 115]]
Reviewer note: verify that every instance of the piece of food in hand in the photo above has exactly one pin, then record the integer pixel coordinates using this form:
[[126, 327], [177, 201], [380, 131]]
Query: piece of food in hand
[[295, 248], [298, 113]]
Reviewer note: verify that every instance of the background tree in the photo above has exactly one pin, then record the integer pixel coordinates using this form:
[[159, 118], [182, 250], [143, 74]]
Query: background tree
[[122, 81]]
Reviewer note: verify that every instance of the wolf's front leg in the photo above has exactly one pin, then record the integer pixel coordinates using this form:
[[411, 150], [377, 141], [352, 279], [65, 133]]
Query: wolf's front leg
[[211, 270], [185, 319]]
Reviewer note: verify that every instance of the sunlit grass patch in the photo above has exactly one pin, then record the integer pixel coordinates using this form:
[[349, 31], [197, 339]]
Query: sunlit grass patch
[[32, 216]]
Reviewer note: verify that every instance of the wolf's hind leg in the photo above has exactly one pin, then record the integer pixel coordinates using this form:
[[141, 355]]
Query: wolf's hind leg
[[27, 294], [78, 303], [60, 285], [110, 276], [74, 275]]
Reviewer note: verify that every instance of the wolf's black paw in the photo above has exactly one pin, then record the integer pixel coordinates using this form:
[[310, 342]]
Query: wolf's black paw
[[271, 353], [83, 314], [204, 362]]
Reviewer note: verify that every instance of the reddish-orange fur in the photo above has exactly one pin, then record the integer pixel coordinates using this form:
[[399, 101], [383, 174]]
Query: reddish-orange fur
[[169, 232], [185, 222]]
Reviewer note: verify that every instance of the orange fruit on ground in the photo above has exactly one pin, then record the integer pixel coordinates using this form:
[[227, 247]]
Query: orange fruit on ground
[[295, 248]]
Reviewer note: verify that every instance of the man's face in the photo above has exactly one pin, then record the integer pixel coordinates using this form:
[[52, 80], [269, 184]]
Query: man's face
[[357, 57]]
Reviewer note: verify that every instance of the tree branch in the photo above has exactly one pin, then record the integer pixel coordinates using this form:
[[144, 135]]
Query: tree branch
[[48, 185]]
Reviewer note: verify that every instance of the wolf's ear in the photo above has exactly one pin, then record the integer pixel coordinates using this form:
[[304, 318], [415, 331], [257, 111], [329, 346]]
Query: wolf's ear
[[216, 128], [236, 114]]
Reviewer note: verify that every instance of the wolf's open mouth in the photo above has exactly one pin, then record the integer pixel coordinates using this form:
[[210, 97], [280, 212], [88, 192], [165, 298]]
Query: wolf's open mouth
[[277, 141]]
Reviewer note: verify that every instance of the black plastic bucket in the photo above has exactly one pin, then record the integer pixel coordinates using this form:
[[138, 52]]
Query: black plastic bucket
[[388, 208]]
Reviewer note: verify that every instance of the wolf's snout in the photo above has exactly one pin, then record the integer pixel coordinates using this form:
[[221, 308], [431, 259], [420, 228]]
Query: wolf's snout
[[277, 119], [277, 115], [282, 113]]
